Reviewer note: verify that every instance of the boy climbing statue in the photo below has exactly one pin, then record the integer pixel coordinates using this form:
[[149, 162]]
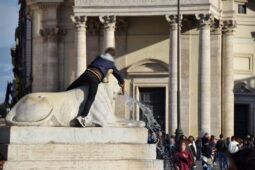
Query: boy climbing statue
[[93, 75]]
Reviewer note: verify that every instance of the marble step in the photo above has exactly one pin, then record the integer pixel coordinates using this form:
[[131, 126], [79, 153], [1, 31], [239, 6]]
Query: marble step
[[85, 165], [68, 135], [63, 152]]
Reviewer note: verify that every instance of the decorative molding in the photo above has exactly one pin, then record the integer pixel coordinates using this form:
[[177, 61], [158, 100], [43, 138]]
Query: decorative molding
[[109, 22], [148, 67]]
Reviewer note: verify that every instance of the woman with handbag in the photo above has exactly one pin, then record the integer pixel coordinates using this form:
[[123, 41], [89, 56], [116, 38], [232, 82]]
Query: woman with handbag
[[207, 158]]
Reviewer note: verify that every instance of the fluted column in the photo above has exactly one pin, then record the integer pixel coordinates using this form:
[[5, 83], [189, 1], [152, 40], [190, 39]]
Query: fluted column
[[109, 24], [228, 78], [204, 94], [172, 20], [80, 42]]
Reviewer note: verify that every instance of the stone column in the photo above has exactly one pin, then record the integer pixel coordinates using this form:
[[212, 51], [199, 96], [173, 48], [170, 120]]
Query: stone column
[[80, 42], [172, 20], [109, 24], [216, 82], [228, 78], [204, 91]]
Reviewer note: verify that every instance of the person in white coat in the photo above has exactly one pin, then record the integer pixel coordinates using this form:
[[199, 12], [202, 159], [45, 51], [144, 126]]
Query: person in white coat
[[233, 146]]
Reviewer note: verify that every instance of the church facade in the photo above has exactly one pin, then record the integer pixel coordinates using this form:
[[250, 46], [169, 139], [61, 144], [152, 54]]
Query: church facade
[[61, 37]]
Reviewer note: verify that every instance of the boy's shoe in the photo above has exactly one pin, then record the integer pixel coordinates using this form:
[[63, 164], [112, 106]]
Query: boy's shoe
[[81, 120], [75, 123]]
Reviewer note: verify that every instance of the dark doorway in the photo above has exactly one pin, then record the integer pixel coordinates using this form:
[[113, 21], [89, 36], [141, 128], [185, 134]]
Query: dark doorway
[[155, 99], [241, 120]]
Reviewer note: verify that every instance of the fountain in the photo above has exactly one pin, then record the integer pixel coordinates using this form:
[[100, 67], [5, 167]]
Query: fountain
[[39, 135]]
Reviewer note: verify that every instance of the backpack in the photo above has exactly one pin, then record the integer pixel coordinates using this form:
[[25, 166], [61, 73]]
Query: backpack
[[221, 146]]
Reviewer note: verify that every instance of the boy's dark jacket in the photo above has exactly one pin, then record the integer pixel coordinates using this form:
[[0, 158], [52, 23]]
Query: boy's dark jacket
[[105, 62]]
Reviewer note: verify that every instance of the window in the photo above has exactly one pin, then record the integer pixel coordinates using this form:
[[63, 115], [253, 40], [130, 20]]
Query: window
[[242, 8]]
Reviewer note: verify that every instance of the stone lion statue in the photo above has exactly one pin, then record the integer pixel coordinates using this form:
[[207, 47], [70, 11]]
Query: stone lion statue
[[60, 108]]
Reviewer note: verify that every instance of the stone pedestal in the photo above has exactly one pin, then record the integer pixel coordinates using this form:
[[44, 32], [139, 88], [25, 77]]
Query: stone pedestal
[[55, 148]]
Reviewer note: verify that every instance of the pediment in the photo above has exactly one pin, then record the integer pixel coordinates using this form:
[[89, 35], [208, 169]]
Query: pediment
[[242, 87], [148, 67]]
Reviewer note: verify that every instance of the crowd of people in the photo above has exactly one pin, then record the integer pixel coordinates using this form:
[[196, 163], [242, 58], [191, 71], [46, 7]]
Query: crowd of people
[[186, 152]]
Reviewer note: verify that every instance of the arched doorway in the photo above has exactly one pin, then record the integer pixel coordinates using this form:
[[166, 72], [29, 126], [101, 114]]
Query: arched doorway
[[149, 79]]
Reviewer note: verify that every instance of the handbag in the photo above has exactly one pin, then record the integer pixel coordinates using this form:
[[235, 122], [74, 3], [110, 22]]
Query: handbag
[[208, 161]]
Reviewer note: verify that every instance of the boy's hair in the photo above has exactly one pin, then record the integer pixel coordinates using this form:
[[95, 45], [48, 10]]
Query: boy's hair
[[110, 50], [221, 136]]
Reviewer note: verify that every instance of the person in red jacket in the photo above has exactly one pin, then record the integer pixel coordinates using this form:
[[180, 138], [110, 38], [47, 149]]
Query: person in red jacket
[[183, 158]]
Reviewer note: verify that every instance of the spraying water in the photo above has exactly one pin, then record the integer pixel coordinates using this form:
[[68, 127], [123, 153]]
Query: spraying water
[[151, 122]]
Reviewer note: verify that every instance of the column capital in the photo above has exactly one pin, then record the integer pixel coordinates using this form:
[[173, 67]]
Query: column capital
[[216, 27], [228, 26], [205, 20], [173, 20], [109, 22], [79, 21], [52, 33]]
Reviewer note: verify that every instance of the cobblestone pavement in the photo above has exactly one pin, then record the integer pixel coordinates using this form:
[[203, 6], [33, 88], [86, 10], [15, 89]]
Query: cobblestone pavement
[[199, 166]]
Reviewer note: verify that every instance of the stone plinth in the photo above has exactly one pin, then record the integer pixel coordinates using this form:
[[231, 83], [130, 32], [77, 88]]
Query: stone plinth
[[58, 148], [61, 152], [85, 165], [66, 135]]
